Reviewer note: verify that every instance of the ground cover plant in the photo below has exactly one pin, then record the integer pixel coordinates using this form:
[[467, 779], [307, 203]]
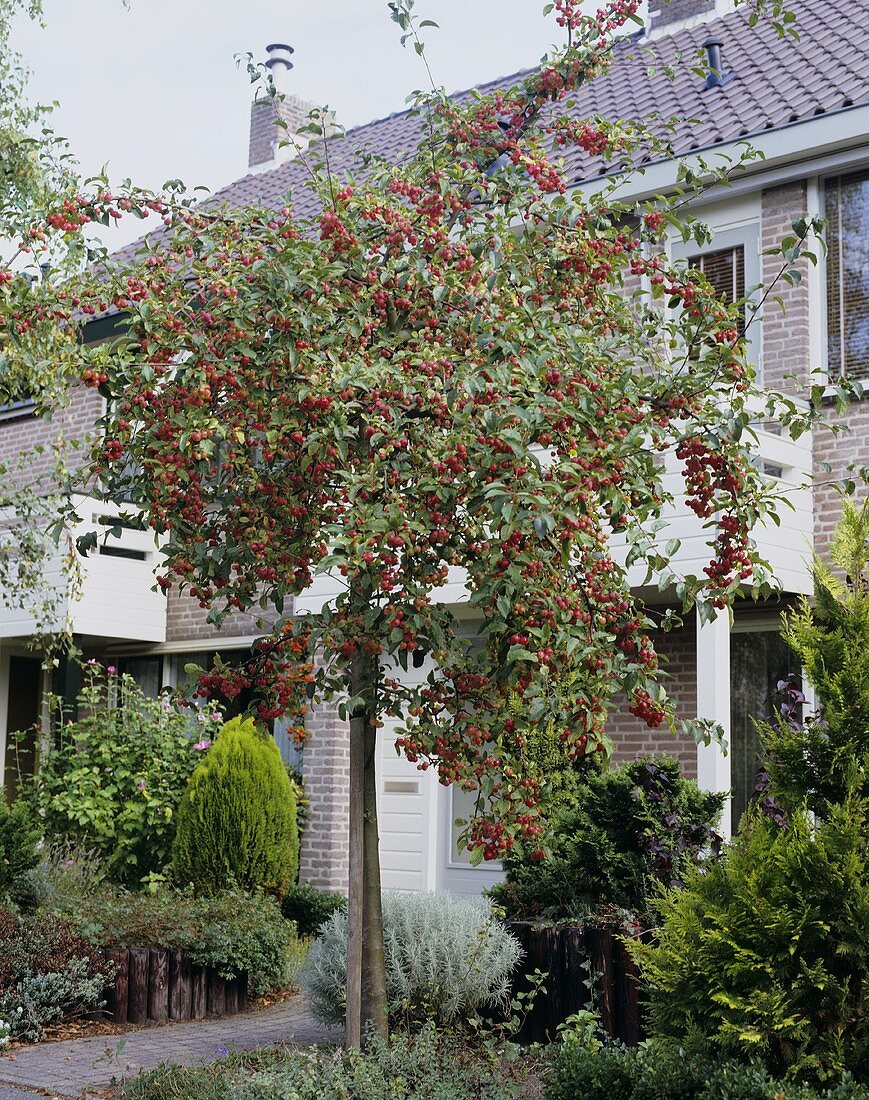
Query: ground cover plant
[[237, 816], [49, 972], [424, 1067], [656, 1072], [627, 831]]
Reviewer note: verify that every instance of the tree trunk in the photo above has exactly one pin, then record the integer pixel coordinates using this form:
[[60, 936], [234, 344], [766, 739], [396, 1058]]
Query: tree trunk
[[374, 1009], [366, 973]]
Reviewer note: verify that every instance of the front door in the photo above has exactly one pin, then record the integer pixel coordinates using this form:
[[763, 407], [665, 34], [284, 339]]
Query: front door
[[22, 721]]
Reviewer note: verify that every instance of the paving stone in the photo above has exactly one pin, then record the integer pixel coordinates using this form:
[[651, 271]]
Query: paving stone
[[7, 1093], [72, 1067]]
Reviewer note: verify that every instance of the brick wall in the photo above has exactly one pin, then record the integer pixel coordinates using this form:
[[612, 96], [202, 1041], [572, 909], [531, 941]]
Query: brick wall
[[665, 12], [20, 435], [785, 334], [186, 621], [633, 737], [325, 764], [846, 452]]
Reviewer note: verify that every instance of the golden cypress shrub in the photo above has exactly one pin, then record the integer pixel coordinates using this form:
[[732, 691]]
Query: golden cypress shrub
[[237, 818]]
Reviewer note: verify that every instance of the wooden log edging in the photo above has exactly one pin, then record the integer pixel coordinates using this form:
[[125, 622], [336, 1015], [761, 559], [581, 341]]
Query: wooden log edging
[[159, 985], [583, 967]]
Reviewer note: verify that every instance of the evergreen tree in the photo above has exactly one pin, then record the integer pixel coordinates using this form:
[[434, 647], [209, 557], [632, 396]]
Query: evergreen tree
[[237, 819], [823, 759]]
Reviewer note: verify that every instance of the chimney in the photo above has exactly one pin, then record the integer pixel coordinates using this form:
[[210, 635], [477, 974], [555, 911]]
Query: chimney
[[266, 134], [666, 13]]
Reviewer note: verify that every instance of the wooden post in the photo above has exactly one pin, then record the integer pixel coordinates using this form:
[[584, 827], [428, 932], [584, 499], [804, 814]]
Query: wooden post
[[232, 997], [242, 992], [180, 988], [216, 994], [158, 985], [630, 1029], [199, 991], [138, 1002], [118, 991], [601, 952], [576, 970]]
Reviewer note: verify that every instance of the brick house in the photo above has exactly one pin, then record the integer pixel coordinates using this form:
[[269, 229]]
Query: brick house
[[805, 104]]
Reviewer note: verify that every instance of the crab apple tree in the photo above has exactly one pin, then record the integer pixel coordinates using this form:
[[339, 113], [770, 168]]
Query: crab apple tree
[[460, 370]]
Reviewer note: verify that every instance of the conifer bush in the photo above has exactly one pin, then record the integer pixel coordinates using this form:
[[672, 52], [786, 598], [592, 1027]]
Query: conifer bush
[[237, 818], [765, 954], [19, 837]]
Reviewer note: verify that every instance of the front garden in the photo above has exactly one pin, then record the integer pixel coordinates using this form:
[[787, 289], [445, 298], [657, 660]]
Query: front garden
[[141, 839]]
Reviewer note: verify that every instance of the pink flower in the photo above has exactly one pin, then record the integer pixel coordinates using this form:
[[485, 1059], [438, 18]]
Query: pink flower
[[202, 745], [111, 670], [140, 786]]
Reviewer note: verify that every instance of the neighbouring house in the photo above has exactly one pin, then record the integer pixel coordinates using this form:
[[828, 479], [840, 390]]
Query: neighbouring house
[[805, 104]]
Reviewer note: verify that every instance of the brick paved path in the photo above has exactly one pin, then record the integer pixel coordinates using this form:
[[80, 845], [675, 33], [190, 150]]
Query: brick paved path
[[74, 1066]]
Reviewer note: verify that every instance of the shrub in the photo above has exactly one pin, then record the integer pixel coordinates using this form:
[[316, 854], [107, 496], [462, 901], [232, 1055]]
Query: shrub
[[48, 973], [111, 779], [237, 818], [19, 837], [653, 1072], [765, 953], [37, 1000], [234, 932], [820, 762], [633, 827], [309, 908], [446, 958]]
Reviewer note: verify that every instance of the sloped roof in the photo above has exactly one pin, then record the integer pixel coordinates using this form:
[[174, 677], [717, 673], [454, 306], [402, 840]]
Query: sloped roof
[[778, 82]]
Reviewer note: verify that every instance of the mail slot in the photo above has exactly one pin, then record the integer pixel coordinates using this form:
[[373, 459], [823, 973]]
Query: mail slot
[[401, 786]]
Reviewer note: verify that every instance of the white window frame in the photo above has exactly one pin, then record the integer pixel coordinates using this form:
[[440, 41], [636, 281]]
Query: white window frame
[[746, 237], [817, 189]]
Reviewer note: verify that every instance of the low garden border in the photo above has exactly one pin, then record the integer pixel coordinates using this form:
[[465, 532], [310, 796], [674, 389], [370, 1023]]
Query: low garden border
[[154, 983], [582, 966]]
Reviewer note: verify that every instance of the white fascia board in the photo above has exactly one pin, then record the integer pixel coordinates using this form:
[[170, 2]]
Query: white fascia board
[[818, 146]]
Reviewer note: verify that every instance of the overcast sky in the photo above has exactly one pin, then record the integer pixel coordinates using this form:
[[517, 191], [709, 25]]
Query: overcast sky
[[154, 91]]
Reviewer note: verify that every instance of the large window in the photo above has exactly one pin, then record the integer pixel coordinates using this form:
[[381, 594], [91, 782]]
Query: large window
[[758, 660], [847, 213]]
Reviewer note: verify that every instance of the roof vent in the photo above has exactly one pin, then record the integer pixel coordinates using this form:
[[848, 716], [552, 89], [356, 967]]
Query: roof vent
[[717, 77]]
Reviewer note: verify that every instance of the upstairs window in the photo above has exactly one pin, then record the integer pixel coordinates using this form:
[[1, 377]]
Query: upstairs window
[[725, 270], [731, 265], [23, 406], [847, 213]]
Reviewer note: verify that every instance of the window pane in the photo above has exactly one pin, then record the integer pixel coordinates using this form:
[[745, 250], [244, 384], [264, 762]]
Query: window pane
[[725, 270], [758, 660], [463, 806], [847, 212], [146, 671]]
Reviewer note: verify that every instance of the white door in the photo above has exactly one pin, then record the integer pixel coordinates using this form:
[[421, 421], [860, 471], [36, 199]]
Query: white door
[[455, 871]]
